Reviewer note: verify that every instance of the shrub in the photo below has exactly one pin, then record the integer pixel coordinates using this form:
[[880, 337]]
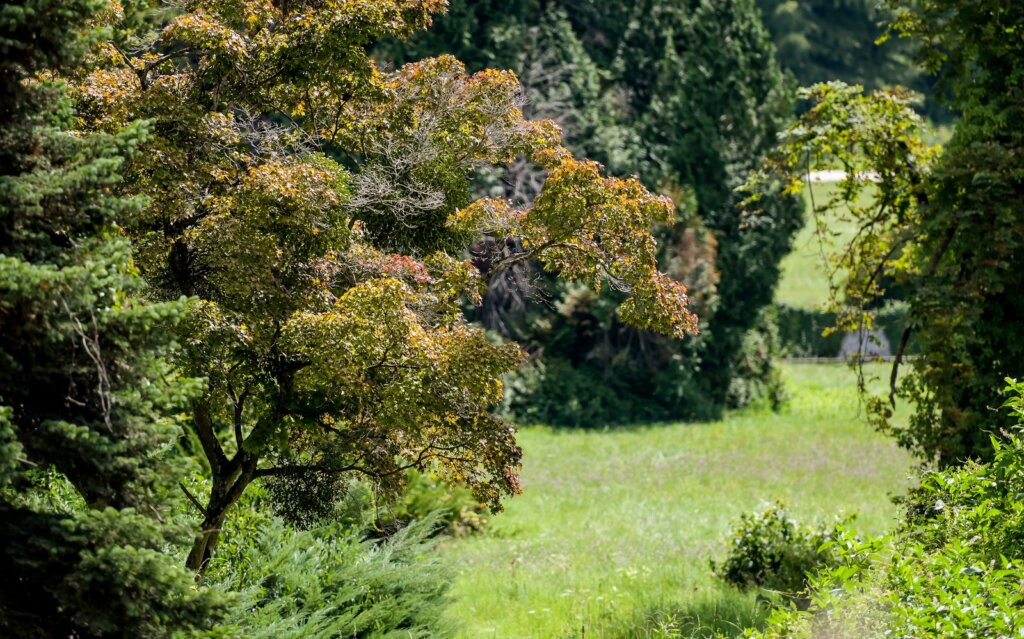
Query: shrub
[[454, 508], [757, 379], [328, 582], [552, 391], [802, 331], [953, 568], [356, 505], [770, 550]]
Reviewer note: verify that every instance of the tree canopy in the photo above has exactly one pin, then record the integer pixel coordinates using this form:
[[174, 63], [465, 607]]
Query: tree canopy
[[689, 96], [318, 210], [946, 224]]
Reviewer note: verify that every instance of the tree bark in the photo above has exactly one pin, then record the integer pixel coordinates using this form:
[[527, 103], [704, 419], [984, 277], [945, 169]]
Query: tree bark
[[205, 541], [228, 485]]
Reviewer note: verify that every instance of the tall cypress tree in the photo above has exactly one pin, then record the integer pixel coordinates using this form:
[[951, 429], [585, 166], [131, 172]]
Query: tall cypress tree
[[708, 110], [86, 399]]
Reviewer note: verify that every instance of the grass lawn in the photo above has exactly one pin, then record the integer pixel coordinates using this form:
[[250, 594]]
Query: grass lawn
[[614, 530], [804, 278]]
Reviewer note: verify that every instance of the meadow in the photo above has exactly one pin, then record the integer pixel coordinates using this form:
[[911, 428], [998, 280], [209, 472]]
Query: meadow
[[614, 531], [803, 281]]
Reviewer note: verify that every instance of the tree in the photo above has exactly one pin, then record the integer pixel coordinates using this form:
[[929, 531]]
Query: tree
[[87, 399], [319, 212], [708, 110], [823, 40], [946, 225], [688, 96]]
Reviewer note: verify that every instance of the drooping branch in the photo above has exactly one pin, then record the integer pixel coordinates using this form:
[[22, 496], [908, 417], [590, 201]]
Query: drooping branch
[[192, 498], [933, 265], [91, 346]]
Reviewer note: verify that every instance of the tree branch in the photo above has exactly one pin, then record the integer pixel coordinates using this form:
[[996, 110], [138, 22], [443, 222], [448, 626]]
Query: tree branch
[[207, 437], [295, 469], [933, 265], [192, 498], [896, 365]]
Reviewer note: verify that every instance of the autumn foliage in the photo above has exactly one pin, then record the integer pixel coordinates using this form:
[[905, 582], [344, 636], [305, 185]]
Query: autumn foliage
[[318, 211]]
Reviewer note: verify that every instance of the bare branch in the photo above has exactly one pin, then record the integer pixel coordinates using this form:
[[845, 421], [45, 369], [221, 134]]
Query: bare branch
[[192, 498], [91, 346]]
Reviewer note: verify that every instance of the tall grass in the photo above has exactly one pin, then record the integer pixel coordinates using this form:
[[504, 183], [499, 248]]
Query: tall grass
[[614, 531]]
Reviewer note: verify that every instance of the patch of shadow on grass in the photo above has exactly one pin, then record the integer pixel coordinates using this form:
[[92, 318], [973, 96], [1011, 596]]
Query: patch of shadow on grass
[[725, 615]]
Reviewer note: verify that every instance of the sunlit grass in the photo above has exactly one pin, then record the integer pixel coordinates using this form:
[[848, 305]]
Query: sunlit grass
[[804, 275], [614, 530]]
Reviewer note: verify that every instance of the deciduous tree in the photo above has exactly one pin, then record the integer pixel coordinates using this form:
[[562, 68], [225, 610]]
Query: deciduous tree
[[947, 224], [687, 95], [318, 210]]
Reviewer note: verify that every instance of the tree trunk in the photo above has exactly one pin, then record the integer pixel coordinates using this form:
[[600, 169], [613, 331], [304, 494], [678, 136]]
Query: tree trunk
[[228, 486], [205, 542]]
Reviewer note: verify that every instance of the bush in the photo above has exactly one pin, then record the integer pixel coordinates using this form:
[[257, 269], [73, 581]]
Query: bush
[[953, 568], [353, 504], [768, 549], [757, 379], [454, 508], [328, 582], [801, 331]]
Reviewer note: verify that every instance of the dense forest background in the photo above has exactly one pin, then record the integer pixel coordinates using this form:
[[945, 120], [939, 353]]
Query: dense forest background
[[689, 96]]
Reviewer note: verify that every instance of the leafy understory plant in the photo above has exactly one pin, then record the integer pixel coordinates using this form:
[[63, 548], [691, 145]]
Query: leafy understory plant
[[954, 568], [768, 549], [328, 582]]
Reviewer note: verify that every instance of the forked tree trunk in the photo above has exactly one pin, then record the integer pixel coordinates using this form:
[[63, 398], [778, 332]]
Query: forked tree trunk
[[224, 493]]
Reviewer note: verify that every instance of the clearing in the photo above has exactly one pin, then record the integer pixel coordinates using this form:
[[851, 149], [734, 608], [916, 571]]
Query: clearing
[[614, 530], [803, 281]]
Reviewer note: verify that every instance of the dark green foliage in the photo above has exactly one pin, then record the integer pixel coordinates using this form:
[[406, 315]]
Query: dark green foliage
[[709, 108], [34, 35], [822, 40], [952, 569], [308, 500], [87, 402], [770, 550], [319, 499], [805, 333], [469, 30], [553, 391], [326, 583], [967, 312], [95, 573], [592, 371], [947, 227], [688, 96], [848, 40], [756, 379]]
